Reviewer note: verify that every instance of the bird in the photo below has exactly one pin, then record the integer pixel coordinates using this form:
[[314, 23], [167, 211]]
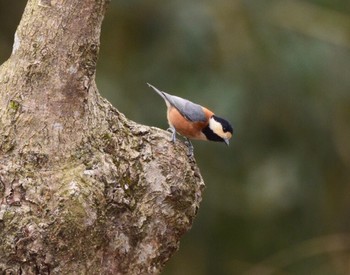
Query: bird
[[194, 121]]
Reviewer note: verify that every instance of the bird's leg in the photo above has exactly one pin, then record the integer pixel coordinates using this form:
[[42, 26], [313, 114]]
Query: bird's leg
[[172, 130], [173, 133], [190, 147]]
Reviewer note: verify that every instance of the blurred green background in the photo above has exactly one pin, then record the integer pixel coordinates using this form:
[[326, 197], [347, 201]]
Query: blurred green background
[[277, 200]]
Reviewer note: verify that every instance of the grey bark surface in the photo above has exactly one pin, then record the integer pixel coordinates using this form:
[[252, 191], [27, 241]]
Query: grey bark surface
[[83, 190]]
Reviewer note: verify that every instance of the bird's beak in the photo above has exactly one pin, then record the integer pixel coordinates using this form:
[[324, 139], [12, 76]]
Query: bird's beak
[[227, 141]]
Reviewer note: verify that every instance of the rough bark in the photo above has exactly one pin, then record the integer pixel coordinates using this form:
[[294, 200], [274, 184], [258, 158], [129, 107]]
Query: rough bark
[[83, 190]]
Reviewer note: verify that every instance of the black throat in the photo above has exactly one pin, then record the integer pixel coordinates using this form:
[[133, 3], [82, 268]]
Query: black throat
[[211, 135]]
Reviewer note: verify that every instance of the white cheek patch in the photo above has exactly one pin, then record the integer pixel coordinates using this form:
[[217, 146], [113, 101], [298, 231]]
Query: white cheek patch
[[216, 127], [228, 135]]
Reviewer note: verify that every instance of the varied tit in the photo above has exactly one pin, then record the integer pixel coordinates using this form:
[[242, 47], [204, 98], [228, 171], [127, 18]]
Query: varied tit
[[194, 121]]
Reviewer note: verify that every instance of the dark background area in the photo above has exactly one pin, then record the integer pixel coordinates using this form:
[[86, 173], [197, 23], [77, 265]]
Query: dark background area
[[277, 200]]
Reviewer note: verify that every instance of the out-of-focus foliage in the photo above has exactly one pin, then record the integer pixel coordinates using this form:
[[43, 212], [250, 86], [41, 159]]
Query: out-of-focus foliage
[[278, 199]]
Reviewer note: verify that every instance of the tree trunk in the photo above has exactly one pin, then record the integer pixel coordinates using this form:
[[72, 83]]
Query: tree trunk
[[83, 190]]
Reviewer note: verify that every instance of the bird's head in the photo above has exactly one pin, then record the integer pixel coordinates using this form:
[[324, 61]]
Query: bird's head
[[218, 129]]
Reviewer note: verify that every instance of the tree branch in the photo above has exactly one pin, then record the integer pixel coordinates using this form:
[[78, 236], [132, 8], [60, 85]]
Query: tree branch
[[82, 188]]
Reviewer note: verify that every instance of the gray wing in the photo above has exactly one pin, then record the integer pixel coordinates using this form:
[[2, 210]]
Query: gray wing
[[188, 109]]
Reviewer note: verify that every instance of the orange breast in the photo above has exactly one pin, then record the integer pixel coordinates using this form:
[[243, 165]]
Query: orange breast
[[186, 128]]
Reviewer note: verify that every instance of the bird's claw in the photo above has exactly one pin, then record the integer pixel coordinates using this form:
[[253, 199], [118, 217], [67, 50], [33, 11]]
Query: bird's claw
[[190, 147], [173, 133]]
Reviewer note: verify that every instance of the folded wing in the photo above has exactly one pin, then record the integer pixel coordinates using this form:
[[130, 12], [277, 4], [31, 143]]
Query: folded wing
[[191, 111]]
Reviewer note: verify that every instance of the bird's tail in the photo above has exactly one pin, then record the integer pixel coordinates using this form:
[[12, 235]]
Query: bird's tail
[[158, 92]]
